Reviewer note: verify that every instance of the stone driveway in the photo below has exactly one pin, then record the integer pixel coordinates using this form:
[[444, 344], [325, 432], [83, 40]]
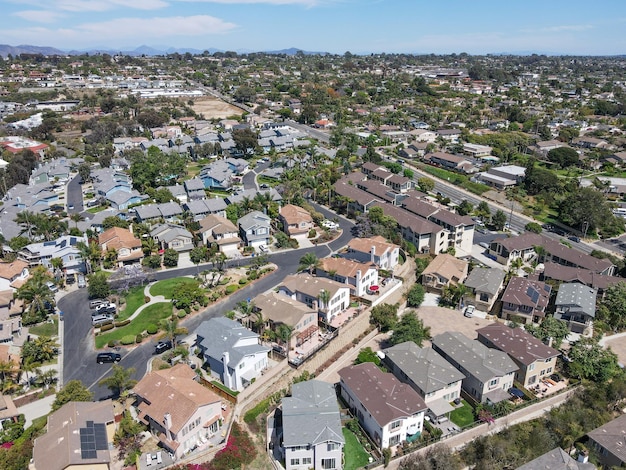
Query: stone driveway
[[441, 319]]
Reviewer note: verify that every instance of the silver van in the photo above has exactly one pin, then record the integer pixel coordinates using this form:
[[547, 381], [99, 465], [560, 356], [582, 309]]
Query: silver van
[[99, 320], [96, 302]]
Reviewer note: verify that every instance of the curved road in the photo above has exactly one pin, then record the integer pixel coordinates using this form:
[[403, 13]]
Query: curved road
[[79, 354]]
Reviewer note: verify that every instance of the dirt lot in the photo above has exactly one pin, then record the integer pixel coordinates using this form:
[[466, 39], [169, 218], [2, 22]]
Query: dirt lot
[[213, 108], [618, 345], [441, 319]]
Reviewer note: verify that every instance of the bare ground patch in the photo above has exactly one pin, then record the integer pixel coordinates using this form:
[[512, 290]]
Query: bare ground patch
[[212, 108]]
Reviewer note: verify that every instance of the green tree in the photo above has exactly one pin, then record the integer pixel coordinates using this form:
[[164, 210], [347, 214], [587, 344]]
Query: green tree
[[84, 171], [410, 328], [39, 350], [498, 220], [98, 287], [198, 255], [114, 221], [120, 381], [309, 262], [425, 184], [586, 209], [415, 296], [550, 328], [465, 208], [367, 355], [36, 295], [483, 211], [384, 316], [533, 227], [170, 258], [612, 308], [564, 156], [589, 360], [437, 457], [74, 390]]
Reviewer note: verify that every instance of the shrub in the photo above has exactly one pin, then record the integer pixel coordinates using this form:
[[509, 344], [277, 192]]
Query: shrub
[[121, 323], [146, 299], [152, 329], [253, 275], [230, 289], [312, 233], [243, 281], [182, 314], [111, 343], [128, 339], [139, 338], [107, 327]]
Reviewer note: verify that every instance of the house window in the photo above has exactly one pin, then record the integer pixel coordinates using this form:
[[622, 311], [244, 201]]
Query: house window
[[395, 424], [332, 446], [328, 463], [549, 370], [295, 461], [531, 367], [394, 440], [306, 461], [493, 383], [241, 366]]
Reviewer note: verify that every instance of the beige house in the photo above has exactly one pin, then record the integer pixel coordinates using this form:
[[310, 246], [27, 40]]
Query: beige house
[[534, 359], [122, 240], [13, 275], [8, 410], [79, 436], [10, 316], [376, 249], [358, 276], [443, 271], [179, 411], [295, 220], [221, 232], [485, 284]]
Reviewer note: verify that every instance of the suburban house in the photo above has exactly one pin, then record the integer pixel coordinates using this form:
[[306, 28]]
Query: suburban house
[[525, 300], [232, 352], [576, 304], [10, 316], [450, 162], [179, 411], [175, 237], [489, 373], [311, 431], [358, 276], [277, 309], [376, 250], [357, 200], [125, 244], [254, 229], [443, 271], [79, 435], [295, 220], [63, 247], [388, 410], [534, 359], [201, 208], [8, 410], [558, 272], [221, 232], [485, 285], [610, 443], [313, 290], [13, 274], [557, 459], [435, 380]]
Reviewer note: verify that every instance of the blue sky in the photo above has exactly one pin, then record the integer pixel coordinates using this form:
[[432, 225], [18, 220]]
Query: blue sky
[[336, 26]]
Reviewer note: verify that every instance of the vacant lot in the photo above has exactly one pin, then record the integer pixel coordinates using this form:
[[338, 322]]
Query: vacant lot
[[618, 345], [441, 319], [213, 108]]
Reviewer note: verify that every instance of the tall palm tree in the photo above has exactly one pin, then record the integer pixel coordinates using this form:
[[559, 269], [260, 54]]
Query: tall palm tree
[[284, 333], [324, 299], [76, 217], [26, 219], [309, 262], [149, 246], [90, 253], [119, 381], [35, 292]]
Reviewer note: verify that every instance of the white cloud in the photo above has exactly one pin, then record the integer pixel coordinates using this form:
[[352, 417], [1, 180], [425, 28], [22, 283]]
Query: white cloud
[[306, 3], [38, 16], [81, 6], [558, 29], [124, 30]]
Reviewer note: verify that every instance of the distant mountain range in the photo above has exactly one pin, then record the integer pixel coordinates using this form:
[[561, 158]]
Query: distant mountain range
[[5, 50]]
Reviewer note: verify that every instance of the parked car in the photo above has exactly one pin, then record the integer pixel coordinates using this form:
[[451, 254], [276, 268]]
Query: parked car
[[574, 238], [162, 346], [105, 310], [81, 281], [99, 320], [52, 286], [69, 280], [108, 357], [484, 245], [469, 311], [94, 303]]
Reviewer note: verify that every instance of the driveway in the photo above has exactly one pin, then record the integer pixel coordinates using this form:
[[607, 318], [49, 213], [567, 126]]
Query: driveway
[[441, 319]]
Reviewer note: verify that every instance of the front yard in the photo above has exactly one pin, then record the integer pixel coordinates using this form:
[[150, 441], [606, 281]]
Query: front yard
[[167, 286]]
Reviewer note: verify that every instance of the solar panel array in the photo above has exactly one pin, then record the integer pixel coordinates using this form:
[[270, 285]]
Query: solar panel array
[[93, 438]]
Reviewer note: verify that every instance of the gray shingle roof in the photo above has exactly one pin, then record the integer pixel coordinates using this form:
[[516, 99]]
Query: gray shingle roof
[[487, 280], [220, 335], [578, 298]]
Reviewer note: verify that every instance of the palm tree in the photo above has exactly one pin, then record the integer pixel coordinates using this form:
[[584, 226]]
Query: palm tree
[[76, 217], [120, 381], [57, 265], [90, 253], [172, 330], [324, 299], [309, 262], [149, 246], [26, 220], [284, 333], [35, 292]]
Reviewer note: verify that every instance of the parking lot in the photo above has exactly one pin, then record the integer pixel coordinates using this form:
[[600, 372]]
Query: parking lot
[[441, 319]]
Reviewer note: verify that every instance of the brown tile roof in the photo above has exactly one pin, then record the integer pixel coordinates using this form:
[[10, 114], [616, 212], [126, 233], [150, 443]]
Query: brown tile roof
[[295, 214], [559, 272], [117, 237], [217, 224], [7, 407], [281, 309], [448, 267], [364, 245], [172, 391], [345, 267], [520, 291], [517, 343], [384, 396], [10, 270], [405, 219]]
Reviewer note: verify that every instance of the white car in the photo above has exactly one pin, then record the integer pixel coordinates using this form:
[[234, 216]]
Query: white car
[[469, 311]]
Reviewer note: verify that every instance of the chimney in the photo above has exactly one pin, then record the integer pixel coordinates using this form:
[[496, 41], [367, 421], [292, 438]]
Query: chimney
[[226, 376], [550, 341], [373, 254], [167, 422]]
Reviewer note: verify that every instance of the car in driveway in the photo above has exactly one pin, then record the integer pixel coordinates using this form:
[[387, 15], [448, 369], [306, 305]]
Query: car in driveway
[[81, 281], [162, 346], [469, 311], [484, 245]]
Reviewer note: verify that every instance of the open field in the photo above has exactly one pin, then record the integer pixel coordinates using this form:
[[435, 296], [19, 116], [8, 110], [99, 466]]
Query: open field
[[212, 108]]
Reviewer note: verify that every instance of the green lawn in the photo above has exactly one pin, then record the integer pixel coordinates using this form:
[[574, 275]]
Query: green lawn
[[355, 455], [45, 329], [463, 415], [153, 314], [167, 286], [134, 300]]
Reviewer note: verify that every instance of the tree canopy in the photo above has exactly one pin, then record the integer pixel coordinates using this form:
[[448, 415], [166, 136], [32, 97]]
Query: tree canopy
[[410, 328]]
